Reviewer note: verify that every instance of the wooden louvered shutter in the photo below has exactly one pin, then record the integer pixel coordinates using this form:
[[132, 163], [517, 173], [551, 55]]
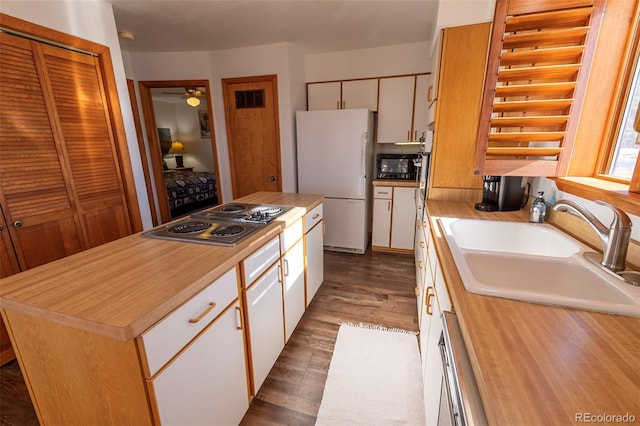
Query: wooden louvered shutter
[[34, 186], [539, 61], [84, 123]]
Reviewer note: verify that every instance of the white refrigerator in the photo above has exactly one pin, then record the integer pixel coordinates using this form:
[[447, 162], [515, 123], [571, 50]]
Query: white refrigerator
[[335, 159]]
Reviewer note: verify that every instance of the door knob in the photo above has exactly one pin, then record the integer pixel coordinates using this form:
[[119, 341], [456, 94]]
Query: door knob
[[272, 178], [17, 224]]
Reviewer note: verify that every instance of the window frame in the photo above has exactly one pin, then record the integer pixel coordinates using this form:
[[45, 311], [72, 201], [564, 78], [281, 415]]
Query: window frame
[[597, 185]]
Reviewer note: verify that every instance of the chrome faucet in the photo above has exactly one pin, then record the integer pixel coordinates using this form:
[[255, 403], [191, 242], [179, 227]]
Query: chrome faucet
[[615, 239]]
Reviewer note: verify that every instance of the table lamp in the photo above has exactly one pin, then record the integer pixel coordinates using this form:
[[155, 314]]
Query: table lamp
[[177, 149]]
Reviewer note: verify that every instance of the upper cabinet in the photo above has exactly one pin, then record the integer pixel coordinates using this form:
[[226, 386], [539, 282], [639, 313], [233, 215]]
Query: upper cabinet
[[324, 96], [402, 108], [463, 52], [348, 94], [538, 66]]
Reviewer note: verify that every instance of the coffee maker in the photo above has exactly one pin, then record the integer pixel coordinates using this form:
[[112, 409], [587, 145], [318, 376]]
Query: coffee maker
[[503, 193]]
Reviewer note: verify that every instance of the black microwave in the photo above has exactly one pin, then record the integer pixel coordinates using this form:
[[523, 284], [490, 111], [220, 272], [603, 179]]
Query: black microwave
[[397, 166]]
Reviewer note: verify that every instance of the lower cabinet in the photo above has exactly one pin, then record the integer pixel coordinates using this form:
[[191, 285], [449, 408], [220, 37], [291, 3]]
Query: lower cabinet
[[207, 382], [293, 281], [314, 252], [264, 324], [394, 211], [435, 300]]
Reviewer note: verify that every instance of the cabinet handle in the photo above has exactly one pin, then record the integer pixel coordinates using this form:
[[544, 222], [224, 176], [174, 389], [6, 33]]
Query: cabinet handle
[[388, 206], [17, 224], [286, 267], [415, 135], [429, 297], [409, 135], [416, 291], [422, 244], [430, 93], [238, 318], [280, 273], [211, 306], [419, 264], [383, 192], [344, 104], [337, 104], [424, 223], [315, 216]]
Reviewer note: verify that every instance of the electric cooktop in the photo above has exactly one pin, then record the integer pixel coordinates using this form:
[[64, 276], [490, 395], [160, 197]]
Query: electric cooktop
[[223, 225]]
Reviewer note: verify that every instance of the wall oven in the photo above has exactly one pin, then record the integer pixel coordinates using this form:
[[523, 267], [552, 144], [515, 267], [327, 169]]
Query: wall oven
[[460, 403]]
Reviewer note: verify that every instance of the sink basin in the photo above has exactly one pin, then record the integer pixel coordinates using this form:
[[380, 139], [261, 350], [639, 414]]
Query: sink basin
[[534, 263]]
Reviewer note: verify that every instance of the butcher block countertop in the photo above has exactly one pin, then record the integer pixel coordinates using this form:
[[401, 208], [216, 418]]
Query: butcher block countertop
[[121, 288], [537, 364]]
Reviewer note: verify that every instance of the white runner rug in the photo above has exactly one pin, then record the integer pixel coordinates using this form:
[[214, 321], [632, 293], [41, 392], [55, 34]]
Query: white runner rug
[[375, 378]]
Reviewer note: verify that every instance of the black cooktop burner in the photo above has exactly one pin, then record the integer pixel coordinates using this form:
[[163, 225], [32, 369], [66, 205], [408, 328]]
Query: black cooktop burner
[[233, 207], [228, 231], [190, 227]]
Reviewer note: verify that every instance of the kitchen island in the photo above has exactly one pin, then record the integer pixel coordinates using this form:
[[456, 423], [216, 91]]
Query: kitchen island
[[76, 324], [538, 364]]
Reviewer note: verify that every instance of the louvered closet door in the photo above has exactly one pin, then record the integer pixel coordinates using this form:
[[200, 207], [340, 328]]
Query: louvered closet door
[[38, 206], [539, 63], [79, 99]]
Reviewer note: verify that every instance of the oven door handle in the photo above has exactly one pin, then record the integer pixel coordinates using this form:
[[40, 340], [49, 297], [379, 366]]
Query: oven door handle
[[461, 384]]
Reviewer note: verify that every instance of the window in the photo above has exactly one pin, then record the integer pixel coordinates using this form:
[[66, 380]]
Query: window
[[627, 143]]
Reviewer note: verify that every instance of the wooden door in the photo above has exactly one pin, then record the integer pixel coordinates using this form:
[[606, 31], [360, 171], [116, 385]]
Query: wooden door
[[251, 113], [83, 120], [34, 180]]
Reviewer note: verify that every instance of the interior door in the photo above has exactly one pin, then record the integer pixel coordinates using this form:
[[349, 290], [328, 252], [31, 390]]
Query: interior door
[[251, 114]]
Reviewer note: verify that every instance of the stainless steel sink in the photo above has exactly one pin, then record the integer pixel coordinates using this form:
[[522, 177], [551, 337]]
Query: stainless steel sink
[[534, 263]]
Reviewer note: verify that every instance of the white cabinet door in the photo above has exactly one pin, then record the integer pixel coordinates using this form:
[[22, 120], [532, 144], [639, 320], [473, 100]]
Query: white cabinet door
[[433, 371], [265, 324], [323, 96], [360, 94], [381, 222], [403, 218], [293, 278], [207, 383], [315, 260], [395, 109]]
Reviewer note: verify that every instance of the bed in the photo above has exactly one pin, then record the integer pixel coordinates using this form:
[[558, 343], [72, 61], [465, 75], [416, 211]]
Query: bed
[[188, 191]]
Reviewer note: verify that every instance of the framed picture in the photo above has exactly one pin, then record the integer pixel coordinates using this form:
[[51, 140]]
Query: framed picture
[[203, 118], [165, 140]]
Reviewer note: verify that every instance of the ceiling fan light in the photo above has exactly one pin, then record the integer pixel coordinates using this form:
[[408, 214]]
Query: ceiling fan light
[[193, 101]]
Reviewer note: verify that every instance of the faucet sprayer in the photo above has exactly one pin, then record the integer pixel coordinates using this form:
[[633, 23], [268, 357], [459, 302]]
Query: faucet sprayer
[[615, 239]]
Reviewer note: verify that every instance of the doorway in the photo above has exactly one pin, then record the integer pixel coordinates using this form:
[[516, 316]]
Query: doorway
[[178, 119], [253, 133]]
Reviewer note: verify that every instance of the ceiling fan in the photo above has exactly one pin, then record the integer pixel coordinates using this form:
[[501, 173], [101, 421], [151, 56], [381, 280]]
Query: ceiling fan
[[192, 95]]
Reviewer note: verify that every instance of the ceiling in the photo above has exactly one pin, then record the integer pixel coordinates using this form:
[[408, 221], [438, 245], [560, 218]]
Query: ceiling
[[316, 25]]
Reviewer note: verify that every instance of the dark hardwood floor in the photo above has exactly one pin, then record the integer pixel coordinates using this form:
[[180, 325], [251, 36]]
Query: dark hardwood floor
[[375, 288]]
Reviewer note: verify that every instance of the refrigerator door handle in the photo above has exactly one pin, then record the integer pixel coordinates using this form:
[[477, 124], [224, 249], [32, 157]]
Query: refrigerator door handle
[[363, 157]]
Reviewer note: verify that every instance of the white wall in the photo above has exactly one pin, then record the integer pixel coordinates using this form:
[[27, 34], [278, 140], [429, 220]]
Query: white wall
[[410, 58], [456, 13], [255, 61], [92, 20], [282, 59], [603, 213]]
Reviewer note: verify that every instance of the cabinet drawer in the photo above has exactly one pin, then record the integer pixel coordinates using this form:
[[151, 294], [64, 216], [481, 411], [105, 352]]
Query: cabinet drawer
[[290, 236], [170, 335], [313, 217], [385, 192], [254, 265]]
